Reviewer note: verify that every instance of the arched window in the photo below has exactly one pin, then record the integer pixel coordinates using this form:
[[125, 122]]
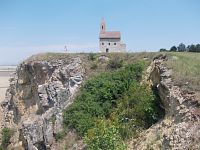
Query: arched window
[[102, 26]]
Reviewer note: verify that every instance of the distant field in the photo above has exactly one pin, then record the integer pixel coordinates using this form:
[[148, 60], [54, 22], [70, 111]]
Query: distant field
[[186, 69], [5, 72]]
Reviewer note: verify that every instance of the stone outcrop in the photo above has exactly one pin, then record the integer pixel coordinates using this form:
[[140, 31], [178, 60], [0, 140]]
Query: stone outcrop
[[180, 128], [34, 103]]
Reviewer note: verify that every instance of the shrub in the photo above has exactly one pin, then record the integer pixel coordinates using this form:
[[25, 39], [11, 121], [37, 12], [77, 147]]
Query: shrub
[[6, 135], [91, 56], [1, 147], [138, 109], [59, 136], [104, 136], [115, 63], [94, 66], [98, 96], [121, 100], [163, 50]]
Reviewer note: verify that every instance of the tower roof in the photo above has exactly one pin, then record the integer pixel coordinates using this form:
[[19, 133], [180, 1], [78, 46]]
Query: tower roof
[[110, 34]]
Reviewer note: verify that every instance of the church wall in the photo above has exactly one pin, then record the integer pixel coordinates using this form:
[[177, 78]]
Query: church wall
[[110, 45]]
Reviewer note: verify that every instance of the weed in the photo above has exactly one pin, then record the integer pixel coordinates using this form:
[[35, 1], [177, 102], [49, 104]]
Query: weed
[[6, 135], [94, 66], [91, 56], [59, 136]]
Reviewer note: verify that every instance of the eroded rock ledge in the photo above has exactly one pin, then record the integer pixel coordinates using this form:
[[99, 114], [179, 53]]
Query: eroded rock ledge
[[180, 128], [38, 93]]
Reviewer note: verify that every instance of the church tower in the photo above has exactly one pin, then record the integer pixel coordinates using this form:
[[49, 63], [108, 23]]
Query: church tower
[[110, 41], [103, 26]]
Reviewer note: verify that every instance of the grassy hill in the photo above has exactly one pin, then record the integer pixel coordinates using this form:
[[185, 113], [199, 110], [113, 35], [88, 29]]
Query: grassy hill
[[185, 70]]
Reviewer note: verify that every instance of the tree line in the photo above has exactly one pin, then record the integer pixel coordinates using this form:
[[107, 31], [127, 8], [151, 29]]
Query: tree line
[[183, 48]]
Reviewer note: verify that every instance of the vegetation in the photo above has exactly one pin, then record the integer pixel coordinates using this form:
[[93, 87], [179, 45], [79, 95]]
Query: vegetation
[[186, 69], [94, 66], [138, 109], [163, 50], [115, 63], [104, 136], [111, 106], [173, 49], [91, 56], [59, 136], [194, 48], [6, 135], [182, 48]]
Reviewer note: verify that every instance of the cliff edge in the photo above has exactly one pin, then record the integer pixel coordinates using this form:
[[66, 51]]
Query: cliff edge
[[38, 92], [180, 128]]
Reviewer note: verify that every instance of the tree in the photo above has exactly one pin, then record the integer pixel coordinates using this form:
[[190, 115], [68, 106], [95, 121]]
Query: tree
[[163, 50], [192, 48], [197, 48], [181, 47], [173, 49]]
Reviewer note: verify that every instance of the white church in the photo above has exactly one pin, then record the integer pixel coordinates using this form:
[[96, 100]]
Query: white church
[[110, 41]]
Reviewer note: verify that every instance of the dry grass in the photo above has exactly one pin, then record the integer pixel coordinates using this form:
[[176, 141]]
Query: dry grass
[[124, 56], [186, 66], [89, 63], [186, 69]]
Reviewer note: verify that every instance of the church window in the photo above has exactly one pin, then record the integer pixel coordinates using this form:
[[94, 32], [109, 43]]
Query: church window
[[108, 43], [102, 43], [114, 43]]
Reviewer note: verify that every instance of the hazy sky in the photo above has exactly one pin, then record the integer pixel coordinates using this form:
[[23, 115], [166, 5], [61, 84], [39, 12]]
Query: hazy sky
[[32, 26]]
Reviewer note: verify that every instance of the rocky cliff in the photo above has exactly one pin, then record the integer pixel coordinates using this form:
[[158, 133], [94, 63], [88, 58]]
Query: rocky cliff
[[180, 128], [38, 92]]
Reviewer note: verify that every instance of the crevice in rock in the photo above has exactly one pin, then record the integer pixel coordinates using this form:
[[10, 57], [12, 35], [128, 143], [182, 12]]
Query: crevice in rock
[[181, 124]]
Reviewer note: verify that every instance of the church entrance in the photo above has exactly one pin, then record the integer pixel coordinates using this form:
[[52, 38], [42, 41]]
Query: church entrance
[[107, 50]]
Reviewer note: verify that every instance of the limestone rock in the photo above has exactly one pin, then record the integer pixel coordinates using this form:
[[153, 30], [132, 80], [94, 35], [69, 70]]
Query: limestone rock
[[180, 128], [38, 93]]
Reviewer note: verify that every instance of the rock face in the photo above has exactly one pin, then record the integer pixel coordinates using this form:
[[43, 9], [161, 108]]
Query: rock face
[[180, 128], [38, 93]]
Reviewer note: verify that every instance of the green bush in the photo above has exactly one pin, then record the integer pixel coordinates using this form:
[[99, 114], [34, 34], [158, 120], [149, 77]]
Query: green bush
[[1, 148], [115, 63], [98, 96], [94, 66], [104, 136], [91, 56], [121, 100], [138, 109], [6, 135], [59, 136]]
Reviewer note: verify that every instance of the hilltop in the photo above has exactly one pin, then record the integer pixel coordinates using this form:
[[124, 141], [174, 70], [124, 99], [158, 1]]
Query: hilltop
[[141, 101]]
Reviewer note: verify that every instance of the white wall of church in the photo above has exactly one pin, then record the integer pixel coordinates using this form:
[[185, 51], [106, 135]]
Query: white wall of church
[[111, 45]]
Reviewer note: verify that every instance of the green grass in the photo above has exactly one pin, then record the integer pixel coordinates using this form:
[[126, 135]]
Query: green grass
[[186, 69], [6, 135], [60, 135]]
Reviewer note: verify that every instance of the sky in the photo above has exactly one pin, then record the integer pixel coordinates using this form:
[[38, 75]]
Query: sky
[[29, 27]]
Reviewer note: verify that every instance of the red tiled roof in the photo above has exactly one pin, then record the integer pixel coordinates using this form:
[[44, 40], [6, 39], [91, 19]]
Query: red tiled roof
[[110, 34]]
